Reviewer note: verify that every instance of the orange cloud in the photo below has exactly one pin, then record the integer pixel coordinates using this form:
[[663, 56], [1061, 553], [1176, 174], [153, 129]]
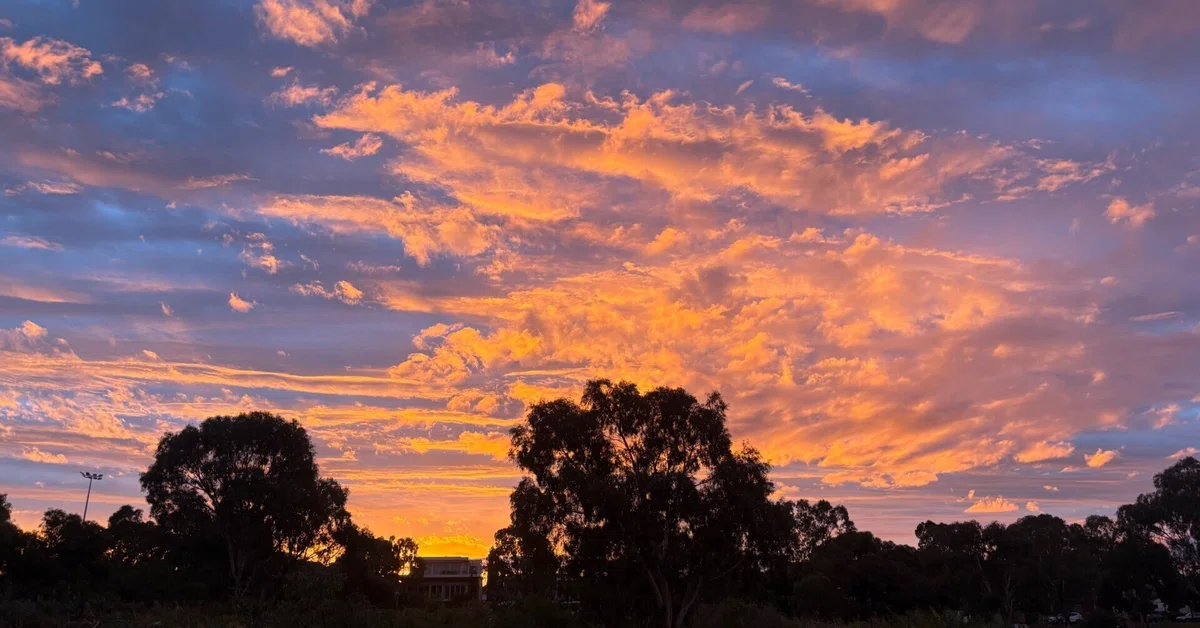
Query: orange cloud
[[666, 240], [992, 505], [1044, 451], [36, 455], [1101, 457], [537, 157], [425, 231], [494, 444]]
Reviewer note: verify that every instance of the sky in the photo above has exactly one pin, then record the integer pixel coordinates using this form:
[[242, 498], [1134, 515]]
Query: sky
[[939, 257]]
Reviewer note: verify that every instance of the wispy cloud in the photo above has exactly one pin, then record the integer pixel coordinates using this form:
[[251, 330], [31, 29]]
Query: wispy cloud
[[30, 242], [367, 145]]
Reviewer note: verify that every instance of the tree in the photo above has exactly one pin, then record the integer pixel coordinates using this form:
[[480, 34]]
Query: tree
[[1135, 571], [69, 553], [519, 565], [1171, 515], [857, 575], [373, 566], [132, 539], [817, 524], [1040, 564], [12, 539], [641, 488], [249, 482], [954, 556]]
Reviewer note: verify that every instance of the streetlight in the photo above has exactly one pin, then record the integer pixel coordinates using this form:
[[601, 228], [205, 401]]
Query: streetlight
[[90, 477]]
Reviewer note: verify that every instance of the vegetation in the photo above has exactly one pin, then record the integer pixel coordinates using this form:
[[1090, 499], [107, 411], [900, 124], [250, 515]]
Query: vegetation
[[636, 510]]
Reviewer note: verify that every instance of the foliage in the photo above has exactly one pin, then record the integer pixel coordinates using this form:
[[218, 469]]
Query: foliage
[[1171, 515], [645, 488], [637, 511], [249, 482], [372, 566]]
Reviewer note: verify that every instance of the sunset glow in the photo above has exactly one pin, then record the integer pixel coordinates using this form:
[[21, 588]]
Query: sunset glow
[[939, 257]]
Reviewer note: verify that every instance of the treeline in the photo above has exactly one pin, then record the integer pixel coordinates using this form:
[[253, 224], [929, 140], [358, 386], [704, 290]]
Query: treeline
[[636, 510], [237, 510], [638, 506]]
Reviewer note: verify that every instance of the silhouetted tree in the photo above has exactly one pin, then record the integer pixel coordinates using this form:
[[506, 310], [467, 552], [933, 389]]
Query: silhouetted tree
[[373, 566], [1171, 515], [954, 558], [1053, 568], [816, 524], [132, 539], [12, 540], [137, 551], [521, 564], [787, 536], [642, 492], [69, 553], [857, 575], [249, 482], [1133, 569]]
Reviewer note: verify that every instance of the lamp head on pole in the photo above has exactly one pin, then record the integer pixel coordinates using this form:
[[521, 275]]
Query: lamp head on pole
[[92, 476]]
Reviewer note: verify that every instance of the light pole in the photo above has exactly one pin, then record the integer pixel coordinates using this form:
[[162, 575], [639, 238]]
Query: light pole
[[90, 477]]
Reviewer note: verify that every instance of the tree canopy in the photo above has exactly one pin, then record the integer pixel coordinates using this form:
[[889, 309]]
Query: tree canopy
[[249, 481], [648, 482]]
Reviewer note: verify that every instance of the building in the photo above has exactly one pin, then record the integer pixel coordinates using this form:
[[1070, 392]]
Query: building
[[451, 578]]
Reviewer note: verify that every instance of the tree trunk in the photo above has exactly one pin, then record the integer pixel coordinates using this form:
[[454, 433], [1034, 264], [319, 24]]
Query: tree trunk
[[669, 605], [689, 599]]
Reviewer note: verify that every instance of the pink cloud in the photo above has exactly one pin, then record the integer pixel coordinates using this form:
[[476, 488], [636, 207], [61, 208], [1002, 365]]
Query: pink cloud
[[30, 242], [1133, 216], [238, 304], [52, 60], [310, 22]]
